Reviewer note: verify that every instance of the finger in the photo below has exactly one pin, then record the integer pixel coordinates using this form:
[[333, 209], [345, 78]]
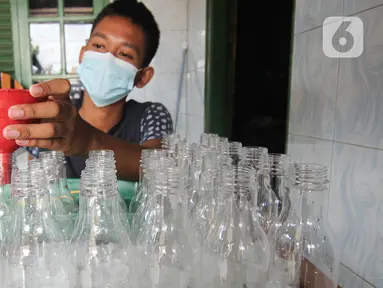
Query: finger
[[51, 144], [35, 131], [58, 88], [59, 110]]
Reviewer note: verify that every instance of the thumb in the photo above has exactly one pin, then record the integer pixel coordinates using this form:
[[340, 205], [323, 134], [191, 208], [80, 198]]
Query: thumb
[[58, 88]]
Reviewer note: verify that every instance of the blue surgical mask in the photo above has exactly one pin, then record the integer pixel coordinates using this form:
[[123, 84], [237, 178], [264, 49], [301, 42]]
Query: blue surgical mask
[[106, 78]]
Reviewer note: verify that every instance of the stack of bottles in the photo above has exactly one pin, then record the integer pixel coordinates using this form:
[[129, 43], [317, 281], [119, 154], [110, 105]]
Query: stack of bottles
[[209, 214]]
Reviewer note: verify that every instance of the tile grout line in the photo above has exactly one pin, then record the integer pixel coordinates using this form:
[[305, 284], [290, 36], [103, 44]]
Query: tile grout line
[[357, 275], [353, 14], [365, 10], [339, 142]]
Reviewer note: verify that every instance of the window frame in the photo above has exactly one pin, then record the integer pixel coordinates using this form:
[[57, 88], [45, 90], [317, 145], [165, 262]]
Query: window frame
[[21, 38]]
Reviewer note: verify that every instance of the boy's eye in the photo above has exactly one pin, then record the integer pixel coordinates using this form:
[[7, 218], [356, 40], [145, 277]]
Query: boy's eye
[[97, 46], [126, 55]]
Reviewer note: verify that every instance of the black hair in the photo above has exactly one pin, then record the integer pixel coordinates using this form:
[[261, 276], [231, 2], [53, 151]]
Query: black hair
[[140, 15]]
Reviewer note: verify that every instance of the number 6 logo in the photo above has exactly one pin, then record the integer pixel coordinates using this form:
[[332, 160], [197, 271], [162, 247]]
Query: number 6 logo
[[343, 37]]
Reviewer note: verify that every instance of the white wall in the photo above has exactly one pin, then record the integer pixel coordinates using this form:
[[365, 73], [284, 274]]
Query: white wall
[[336, 114], [182, 24]]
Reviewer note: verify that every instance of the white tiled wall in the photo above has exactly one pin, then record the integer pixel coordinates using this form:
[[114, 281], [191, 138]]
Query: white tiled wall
[[182, 24], [335, 119]]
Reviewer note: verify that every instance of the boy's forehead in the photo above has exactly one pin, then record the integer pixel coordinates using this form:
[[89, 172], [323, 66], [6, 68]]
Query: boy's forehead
[[120, 28]]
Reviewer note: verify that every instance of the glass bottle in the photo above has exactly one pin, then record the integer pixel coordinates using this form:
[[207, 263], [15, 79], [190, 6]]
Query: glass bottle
[[169, 143], [145, 155], [235, 151], [101, 254], [64, 207], [103, 160], [236, 245], [34, 252], [165, 245], [256, 159], [279, 175], [285, 235], [144, 213], [321, 259], [205, 209]]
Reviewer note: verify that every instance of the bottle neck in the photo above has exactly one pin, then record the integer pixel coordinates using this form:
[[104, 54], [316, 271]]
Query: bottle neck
[[255, 158], [37, 205], [310, 181], [99, 211]]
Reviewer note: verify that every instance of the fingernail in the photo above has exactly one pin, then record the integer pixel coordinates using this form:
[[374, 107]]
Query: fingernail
[[22, 142], [16, 113], [11, 133], [36, 90]]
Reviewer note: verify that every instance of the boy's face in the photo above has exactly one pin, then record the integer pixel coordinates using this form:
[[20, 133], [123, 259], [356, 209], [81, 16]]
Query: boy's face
[[125, 40], [119, 36]]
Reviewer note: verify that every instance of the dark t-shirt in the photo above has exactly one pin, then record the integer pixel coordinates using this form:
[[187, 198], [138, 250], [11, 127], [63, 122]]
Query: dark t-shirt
[[141, 122]]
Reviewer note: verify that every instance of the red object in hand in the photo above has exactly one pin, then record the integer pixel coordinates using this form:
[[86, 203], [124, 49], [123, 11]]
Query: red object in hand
[[9, 98]]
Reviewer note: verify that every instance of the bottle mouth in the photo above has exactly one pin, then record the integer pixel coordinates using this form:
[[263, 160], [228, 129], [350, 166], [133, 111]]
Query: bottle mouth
[[101, 154], [29, 182], [279, 164], [235, 148], [51, 155], [147, 153], [308, 173], [256, 154], [98, 183]]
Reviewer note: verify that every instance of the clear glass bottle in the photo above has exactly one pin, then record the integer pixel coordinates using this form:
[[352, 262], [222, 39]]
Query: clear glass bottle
[[143, 215], [34, 252], [205, 209], [169, 143], [321, 259], [68, 202], [279, 173], [285, 235], [165, 244], [64, 207], [101, 254], [145, 155], [236, 248], [256, 159], [235, 151], [103, 160]]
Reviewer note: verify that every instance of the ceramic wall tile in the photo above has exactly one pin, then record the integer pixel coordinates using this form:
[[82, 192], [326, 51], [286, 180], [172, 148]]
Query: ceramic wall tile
[[170, 53], [138, 94], [349, 279], [311, 13], [170, 14], [164, 89], [195, 127], [360, 100], [197, 50], [305, 149], [313, 87], [355, 6], [195, 101], [356, 209], [197, 15], [181, 128]]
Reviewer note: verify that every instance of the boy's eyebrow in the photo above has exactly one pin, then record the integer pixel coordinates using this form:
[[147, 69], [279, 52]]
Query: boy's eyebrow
[[98, 34]]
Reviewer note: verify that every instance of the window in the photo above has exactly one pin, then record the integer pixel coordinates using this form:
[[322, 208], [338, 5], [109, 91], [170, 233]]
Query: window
[[50, 34]]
